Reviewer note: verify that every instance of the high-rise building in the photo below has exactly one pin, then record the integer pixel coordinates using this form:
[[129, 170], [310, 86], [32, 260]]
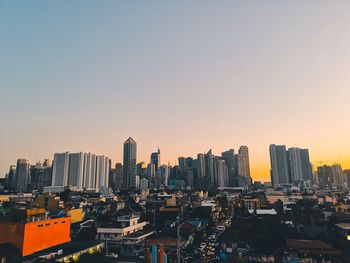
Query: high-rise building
[[200, 171], [11, 179], [165, 174], [40, 176], [347, 175], [155, 159], [222, 172], [339, 179], [116, 176], [129, 163], [89, 180], [143, 184], [60, 169], [306, 164], [76, 169], [295, 166], [84, 170], [22, 175], [151, 170], [279, 165], [243, 163], [229, 157], [300, 169], [325, 176]]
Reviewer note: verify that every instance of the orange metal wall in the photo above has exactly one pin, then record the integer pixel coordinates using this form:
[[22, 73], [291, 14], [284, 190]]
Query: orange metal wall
[[44, 234]]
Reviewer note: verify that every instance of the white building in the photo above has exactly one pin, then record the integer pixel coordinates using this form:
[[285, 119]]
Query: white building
[[128, 233], [60, 169], [83, 170]]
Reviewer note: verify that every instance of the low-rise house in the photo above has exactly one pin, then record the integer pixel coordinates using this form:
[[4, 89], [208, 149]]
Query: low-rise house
[[126, 236]]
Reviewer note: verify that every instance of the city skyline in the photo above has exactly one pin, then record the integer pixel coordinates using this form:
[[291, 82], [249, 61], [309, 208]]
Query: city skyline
[[265, 172], [187, 77]]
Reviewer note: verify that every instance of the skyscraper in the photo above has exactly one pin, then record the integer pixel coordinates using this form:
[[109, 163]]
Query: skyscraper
[[129, 163], [339, 178], [279, 165], [11, 180], [325, 176], [22, 175], [295, 167], [229, 157], [243, 163], [299, 165], [155, 159], [40, 176], [76, 169], [116, 176], [60, 169], [84, 170]]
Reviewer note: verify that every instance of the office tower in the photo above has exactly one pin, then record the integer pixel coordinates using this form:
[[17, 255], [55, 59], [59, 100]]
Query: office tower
[[119, 175], [338, 176], [299, 165], [222, 173], [129, 164], [210, 180], [243, 163], [137, 182], [143, 184], [229, 157], [76, 169], [295, 167], [155, 159], [11, 179], [347, 175], [182, 166], [200, 170], [325, 176], [60, 169], [279, 165], [116, 176], [40, 176], [165, 174], [231, 160], [22, 175], [306, 164], [151, 170]]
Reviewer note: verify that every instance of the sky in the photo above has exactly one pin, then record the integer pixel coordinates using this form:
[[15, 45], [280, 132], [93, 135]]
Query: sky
[[185, 76]]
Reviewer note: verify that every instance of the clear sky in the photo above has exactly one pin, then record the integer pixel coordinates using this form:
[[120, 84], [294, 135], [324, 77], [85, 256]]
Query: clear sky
[[182, 75]]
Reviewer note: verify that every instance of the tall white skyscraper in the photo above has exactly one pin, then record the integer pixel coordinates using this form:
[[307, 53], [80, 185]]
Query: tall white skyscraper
[[60, 169], [84, 170], [76, 169]]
